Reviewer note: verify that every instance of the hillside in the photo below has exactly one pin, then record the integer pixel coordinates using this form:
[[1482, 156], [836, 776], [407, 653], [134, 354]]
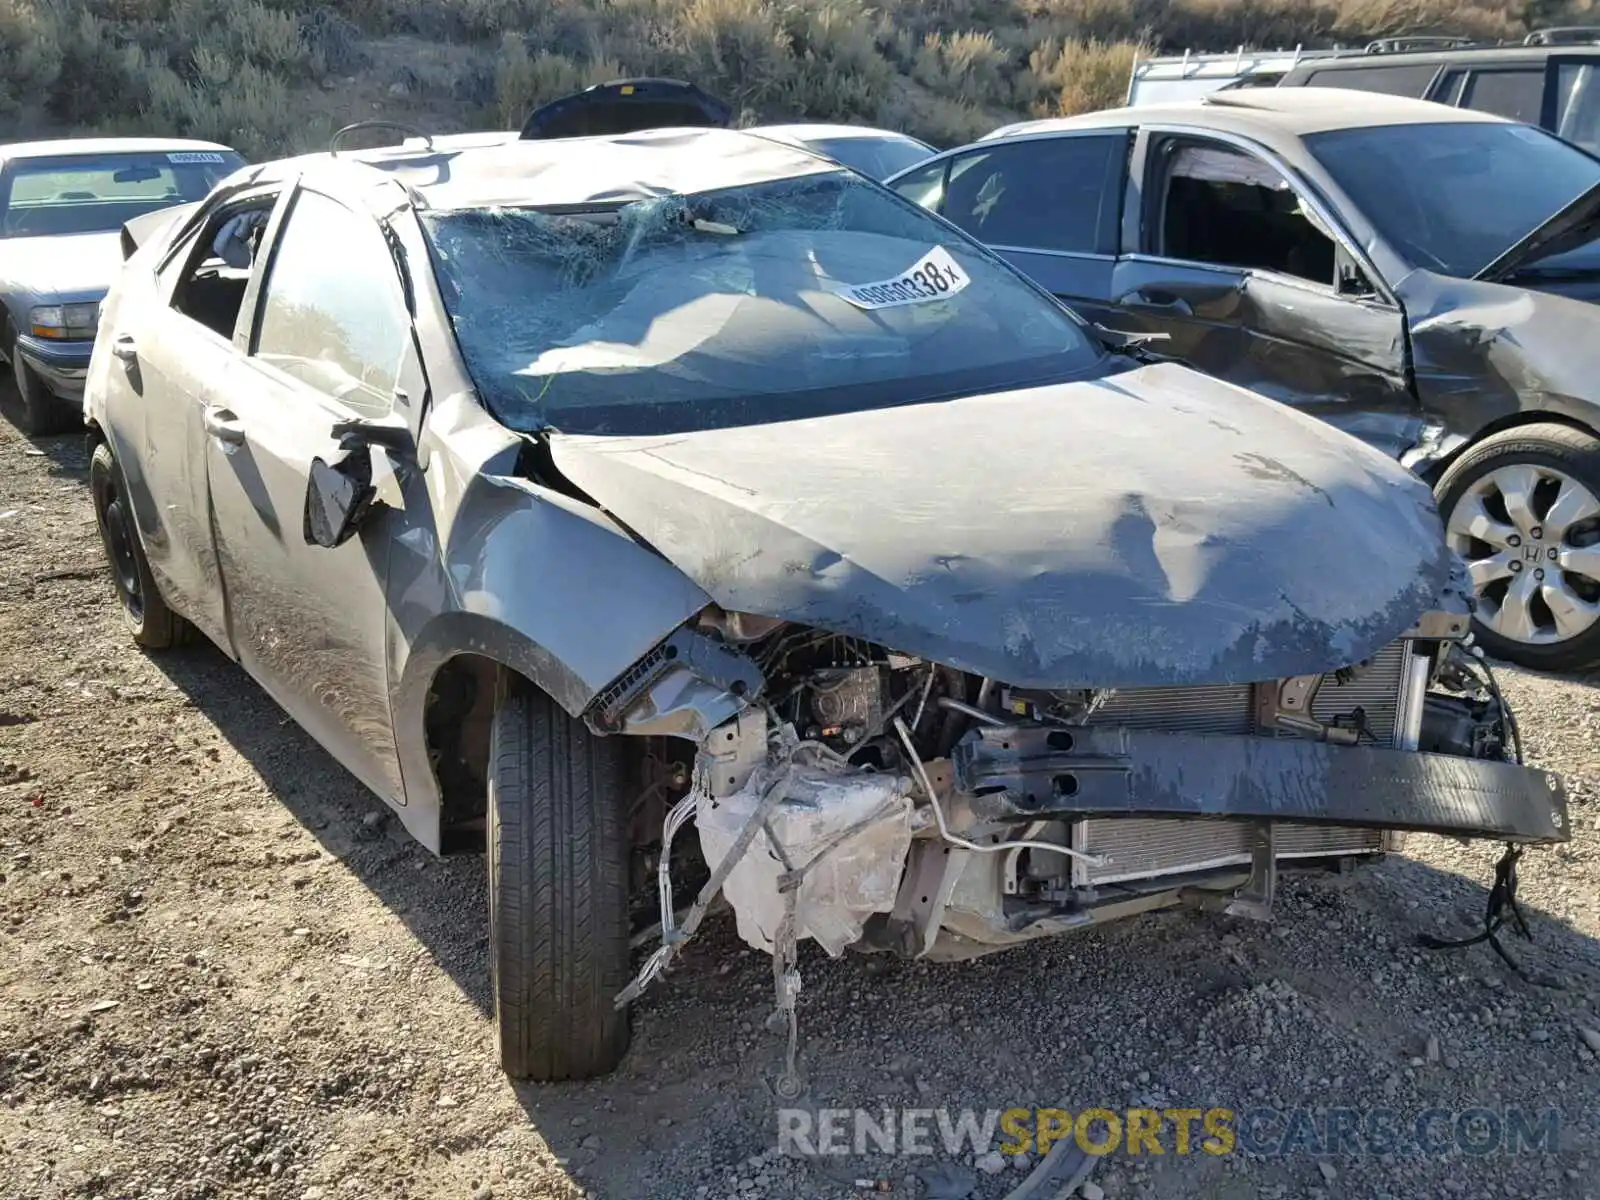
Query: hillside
[[271, 75]]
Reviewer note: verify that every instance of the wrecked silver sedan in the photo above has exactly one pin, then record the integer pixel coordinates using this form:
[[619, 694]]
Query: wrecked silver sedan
[[572, 491]]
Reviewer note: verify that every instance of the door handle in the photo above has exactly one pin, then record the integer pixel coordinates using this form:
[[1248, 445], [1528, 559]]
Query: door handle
[[125, 348], [1158, 300], [221, 424]]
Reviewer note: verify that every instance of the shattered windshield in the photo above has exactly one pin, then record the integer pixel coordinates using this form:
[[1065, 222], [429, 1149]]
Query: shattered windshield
[[1454, 197], [767, 302]]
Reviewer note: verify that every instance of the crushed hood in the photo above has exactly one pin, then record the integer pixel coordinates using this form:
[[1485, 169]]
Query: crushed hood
[[67, 266], [1154, 527]]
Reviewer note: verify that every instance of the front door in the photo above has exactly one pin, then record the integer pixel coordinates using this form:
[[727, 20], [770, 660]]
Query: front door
[[1251, 283], [331, 342]]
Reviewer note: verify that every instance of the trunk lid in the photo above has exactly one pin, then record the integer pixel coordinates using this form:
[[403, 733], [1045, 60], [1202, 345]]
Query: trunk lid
[[628, 106]]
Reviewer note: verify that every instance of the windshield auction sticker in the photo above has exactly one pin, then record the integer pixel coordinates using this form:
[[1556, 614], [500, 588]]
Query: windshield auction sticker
[[934, 276], [194, 156]]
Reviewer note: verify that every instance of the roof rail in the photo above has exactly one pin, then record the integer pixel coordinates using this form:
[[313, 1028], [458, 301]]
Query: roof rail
[[411, 131], [1403, 45], [1564, 35]]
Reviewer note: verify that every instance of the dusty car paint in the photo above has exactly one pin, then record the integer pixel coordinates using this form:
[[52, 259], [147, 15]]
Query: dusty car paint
[[1210, 568]]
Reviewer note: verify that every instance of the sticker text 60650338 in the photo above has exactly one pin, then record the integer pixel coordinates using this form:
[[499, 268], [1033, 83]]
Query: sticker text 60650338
[[935, 276]]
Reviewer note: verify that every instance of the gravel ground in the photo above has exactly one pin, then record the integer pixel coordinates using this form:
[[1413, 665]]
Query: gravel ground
[[226, 973]]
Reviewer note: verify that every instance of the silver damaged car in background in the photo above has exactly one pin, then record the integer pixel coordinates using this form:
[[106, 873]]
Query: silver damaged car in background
[[572, 490]]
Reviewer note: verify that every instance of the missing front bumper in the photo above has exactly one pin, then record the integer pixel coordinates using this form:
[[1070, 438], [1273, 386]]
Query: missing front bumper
[[1029, 773]]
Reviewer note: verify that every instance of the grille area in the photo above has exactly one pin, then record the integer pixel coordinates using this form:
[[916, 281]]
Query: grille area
[[1217, 710], [1141, 847], [1377, 690]]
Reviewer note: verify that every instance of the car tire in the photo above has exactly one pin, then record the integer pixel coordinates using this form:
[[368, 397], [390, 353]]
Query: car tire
[[153, 625], [41, 412], [1523, 508], [558, 892]]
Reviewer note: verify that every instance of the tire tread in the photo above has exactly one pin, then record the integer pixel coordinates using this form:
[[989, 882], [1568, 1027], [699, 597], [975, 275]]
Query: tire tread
[[559, 900]]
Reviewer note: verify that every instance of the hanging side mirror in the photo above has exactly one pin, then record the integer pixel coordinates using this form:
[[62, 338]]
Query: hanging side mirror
[[338, 498]]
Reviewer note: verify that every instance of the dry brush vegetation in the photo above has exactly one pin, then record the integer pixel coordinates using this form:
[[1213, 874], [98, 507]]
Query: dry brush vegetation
[[267, 75]]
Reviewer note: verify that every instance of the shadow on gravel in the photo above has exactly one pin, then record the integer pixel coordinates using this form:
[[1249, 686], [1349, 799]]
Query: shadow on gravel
[[444, 905], [67, 451]]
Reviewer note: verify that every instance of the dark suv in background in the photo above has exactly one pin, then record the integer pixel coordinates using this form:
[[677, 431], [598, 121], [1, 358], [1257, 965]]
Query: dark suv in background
[[1554, 83]]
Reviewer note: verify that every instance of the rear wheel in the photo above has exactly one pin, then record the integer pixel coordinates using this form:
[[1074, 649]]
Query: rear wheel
[[42, 413], [1523, 509], [558, 891], [152, 624]]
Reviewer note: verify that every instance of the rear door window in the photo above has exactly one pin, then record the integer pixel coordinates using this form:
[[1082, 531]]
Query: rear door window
[[924, 186], [1516, 93], [1398, 80], [1058, 194], [334, 317]]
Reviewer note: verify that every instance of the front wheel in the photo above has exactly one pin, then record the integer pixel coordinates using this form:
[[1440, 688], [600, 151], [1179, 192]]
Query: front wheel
[[1523, 509], [152, 624], [558, 892]]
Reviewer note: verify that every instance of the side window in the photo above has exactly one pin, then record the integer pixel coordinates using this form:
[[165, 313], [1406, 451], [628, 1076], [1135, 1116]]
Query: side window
[[214, 268], [333, 315], [1222, 206], [1401, 80], [1045, 194], [924, 186], [1578, 104], [1517, 93]]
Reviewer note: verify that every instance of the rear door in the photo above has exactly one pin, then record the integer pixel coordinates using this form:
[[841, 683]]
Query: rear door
[[1050, 205], [1252, 280], [166, 367], [331, 342]]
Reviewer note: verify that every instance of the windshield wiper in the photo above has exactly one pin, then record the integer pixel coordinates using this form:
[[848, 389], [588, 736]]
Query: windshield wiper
[[1132, 345], [1547, 271], [1567, 229]]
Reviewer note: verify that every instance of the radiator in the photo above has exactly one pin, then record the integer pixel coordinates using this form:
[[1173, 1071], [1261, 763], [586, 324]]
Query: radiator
[[1141, 847]]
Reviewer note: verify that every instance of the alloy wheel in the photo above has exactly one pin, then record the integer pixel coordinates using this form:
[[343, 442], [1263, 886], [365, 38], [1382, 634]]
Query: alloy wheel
[[1530, 535]]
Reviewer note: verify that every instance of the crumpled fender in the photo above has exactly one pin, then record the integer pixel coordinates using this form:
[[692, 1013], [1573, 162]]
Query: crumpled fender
[[1482, 352]]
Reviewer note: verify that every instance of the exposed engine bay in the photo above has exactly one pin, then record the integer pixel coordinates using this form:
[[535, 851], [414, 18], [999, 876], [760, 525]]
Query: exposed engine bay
[[933, 813], [872, 800]]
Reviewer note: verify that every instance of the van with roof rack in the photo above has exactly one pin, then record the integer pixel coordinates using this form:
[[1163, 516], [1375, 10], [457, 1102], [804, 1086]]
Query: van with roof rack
[[1551, 80]]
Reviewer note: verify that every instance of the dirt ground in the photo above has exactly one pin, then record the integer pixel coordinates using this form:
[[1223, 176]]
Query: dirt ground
[[226, 973]]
